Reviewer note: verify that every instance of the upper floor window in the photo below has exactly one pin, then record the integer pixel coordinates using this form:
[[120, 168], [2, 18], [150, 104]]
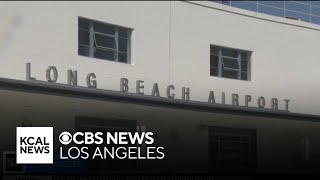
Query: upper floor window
[[229, 63], [103, 41]]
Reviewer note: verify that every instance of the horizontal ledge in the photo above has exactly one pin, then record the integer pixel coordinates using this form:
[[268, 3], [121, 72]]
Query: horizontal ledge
[[42, 87]]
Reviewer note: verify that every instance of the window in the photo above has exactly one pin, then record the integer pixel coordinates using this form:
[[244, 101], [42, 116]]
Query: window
[[229, 63], [232, 150], [103, 41]]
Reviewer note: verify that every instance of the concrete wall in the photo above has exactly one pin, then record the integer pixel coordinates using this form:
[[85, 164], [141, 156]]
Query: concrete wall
[[170, 45]]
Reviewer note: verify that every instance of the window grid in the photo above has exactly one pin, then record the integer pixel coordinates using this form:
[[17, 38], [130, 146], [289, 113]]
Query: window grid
[[310, 15], [242, 74], [94, 44], [232, 150]]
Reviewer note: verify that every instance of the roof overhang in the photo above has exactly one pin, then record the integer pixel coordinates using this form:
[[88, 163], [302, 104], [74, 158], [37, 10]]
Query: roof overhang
[[42, 87]]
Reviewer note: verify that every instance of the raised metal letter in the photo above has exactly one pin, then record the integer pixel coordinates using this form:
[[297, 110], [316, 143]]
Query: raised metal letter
[[139, 86], [274, 103], [55, 74], [91, 83], [72, 78], [223, 98], [261, 102], [28, 72], [287, 104], [247, 100], [168, 91], [186, 94], [124, 85], [211, 98], [155, 90], [235, 99]]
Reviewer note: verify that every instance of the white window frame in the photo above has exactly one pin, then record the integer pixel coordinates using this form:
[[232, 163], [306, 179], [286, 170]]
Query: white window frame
[[238, 58]]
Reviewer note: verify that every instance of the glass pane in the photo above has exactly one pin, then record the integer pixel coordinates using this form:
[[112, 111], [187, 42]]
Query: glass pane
[[244, 76], [315, 10], [104, 28], [83, 37], [244, 55], [245, 138], [230, 63], [277, 4], [123, 57], [230, 138], [297, 6], [271, 11], [83, 23], [214, 50], [83, 50], [303, 17], [315, 20], [244, 65], [105, 54], [123, 32], [104, 41], [248, 5], [225, 2], [314, 3], [214, 71], [123, 44], [230, 74], [214, 61], [229, 52]]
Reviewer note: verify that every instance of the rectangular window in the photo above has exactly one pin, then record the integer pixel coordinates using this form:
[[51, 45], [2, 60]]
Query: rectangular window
[[229, 63], [103, 41], [232, 150]]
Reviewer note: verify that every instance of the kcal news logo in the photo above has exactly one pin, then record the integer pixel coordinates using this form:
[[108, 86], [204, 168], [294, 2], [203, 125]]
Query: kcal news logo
[[34, 145]]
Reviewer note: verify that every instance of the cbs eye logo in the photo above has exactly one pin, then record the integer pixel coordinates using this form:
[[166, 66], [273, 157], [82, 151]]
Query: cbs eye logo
[[65, 138]]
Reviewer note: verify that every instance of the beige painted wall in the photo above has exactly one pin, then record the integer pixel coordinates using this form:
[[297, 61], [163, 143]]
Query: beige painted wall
[[170, 45]]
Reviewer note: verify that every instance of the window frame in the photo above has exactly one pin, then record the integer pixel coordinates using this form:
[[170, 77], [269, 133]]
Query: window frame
[[93, 42], [247, 138], [221, 67]]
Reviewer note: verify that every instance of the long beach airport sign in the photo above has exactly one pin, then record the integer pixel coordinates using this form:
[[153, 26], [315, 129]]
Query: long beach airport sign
[[52, 77]]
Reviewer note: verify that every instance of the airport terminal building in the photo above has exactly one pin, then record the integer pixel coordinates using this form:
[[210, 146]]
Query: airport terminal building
[[223, 89]]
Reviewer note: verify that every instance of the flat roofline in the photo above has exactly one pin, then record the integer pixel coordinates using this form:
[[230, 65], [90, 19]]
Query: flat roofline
[[43, 87], [256, 15]]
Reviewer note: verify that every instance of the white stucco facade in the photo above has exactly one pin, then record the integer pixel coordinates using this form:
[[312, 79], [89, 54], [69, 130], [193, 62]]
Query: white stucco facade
[[170, 45]]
